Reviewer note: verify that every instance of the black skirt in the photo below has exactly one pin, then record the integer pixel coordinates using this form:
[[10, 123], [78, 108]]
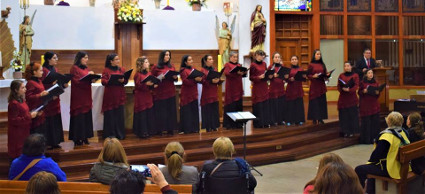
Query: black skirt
[[349, 120], [261, 110], [210, 116], [318, 108], [189, 117], [165, 115], [41, 129], [113, 123], [277, 108], [369, 129], [143, 123], [235, 106], [54, 130], [81, 126], [295, 111]]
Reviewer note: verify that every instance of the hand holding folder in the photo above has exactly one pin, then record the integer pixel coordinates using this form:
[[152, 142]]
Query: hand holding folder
[[349, 84], [90, 77], [194, 74], [152, 79], [283, 71], [372, 90], [300, 76]]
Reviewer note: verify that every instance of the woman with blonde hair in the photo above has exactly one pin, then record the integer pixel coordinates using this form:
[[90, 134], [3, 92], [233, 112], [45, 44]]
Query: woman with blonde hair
[[43, 182], [111, 160], [336, 178], [326, 159], [176, 172], [226, 174]]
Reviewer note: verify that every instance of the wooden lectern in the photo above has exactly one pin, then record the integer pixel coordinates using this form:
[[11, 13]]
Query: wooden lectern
[[382, 77]]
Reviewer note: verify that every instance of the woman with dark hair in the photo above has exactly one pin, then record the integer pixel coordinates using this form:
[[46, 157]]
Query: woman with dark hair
[[143, 119], [113, 98], [369, 109], [81, 121], [317, 73], [53, 110], [34, 96], [209, 98], [416, 133], [294, 96], [165, 95], [277, 92], [260, 91], [189, 111], [19, 119], [234, 90], [348, 101], [258, 29]]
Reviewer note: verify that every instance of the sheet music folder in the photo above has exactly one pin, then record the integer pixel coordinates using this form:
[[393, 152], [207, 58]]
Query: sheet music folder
[[241, 116]]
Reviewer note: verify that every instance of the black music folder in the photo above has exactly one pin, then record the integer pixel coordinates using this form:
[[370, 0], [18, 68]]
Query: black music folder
[[299, 76], [213, 74], [90, 77], [152, 79], [194, 74], [348, 84], [168, 75], [268, 73], [324, 76], [54, 76], [283, 71], [372, 89], [127, 74], [239, 68], [55, 90]]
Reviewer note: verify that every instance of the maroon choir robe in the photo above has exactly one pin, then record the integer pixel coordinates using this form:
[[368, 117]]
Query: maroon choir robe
[[277, 85], [189, 90], [260, 91], [18, 127], [34, 99], [166, 88], [209, 89], [369, 104], [348, 99], [317, 85], [114, 95], [81, 100], [294, 89], [53, 108], [142, 93], [233, 86]]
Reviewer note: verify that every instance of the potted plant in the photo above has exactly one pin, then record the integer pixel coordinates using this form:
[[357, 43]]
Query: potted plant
[[197, 4], [17, 66]]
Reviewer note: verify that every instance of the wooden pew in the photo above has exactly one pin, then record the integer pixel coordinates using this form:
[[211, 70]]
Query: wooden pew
[[405, 155], [18, 187]]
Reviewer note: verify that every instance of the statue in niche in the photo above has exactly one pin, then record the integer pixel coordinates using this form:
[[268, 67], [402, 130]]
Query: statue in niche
[[224, 35], [258, 29], [25, 39]]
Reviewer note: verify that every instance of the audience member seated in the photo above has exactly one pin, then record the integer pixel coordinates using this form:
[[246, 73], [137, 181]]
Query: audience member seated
[[33, 161], [225, 174], [175, 172], [327, 158], [383, 160], [416, 133], [337, 178], [43, 183], [111, 160], [133, 182]]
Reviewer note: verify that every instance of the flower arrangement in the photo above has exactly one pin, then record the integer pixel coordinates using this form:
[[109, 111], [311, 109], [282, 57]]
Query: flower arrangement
[[129, 12], [15, 63], [201, 2]]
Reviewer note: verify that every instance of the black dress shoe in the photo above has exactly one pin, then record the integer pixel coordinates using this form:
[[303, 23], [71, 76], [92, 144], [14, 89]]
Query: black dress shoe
[[86, 141], [78, 142]]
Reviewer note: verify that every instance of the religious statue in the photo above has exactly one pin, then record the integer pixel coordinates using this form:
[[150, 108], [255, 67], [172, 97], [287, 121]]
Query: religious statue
[[25, 39], [224, 35], [258, 29]]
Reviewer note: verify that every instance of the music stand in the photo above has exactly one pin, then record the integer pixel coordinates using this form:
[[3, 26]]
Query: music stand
[[243, 117]]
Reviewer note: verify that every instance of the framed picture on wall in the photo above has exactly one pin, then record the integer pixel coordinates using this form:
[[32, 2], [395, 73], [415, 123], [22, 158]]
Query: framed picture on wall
[[331, 5], [386, 5], [359, 5]]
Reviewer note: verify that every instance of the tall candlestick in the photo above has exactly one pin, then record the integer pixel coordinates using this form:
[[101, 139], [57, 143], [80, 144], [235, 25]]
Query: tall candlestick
[[42, 59], [219, 63]]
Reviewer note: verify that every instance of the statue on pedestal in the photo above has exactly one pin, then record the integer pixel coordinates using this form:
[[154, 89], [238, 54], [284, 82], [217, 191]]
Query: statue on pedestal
[[258, 29], [25, 40]]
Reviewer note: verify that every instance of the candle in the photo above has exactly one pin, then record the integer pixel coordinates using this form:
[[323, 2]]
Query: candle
[[219, 63], [42, 59], [168, 2], [1, 63]]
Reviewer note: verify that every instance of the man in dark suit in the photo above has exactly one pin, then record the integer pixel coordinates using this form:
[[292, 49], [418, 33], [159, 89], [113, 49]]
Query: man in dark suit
[[366, 62]]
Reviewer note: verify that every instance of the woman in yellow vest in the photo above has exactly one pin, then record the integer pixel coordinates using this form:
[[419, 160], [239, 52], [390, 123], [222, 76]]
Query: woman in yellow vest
[[383, 160]]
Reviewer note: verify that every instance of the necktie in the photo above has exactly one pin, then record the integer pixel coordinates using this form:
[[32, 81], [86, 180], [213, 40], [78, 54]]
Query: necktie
[[368, 63]]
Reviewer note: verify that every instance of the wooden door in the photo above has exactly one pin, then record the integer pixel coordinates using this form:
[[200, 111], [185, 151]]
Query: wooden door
[[288, 48]]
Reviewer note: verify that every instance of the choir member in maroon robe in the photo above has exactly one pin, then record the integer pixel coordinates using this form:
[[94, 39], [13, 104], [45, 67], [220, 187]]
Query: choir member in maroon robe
[[348, 101], [277, 92], [294, 96], [34, 96], [209, 98], [81, 121], [165, 96], [317, 106], [113, 99], [19, 119], [260, 91], [369, 109], [234, 91], [53, 110], [189, 107], [143, 119]]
